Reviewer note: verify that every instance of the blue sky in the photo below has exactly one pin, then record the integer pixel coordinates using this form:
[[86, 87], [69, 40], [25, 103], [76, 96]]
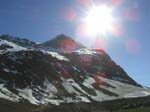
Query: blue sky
[[41, 20]]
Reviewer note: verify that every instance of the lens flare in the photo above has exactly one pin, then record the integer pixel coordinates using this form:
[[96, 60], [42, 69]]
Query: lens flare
[[84, 2], [133, 46], [117, 2], [68, 14]]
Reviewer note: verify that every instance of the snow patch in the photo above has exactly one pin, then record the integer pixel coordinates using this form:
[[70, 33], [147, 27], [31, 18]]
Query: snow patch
[[50, 88], [14, 48], [137, 94], [88, 82], [124, 90], [6, 94], [11, 71], [27, 94], [56, 55], [84, 51]]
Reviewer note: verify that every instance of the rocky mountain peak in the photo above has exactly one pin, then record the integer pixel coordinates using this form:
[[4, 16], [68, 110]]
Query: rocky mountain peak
[[63, 43]]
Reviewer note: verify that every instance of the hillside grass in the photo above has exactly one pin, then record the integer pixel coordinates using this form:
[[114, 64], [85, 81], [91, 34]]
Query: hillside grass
[[145, 109]]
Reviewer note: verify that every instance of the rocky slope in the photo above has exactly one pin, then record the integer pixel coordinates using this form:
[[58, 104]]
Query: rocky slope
[[56, 72]]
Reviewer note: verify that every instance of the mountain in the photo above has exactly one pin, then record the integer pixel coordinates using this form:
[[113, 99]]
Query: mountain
[[57, 72]]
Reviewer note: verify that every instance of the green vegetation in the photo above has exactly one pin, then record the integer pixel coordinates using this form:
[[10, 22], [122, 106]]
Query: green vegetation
[[145, 109], [120, 105]]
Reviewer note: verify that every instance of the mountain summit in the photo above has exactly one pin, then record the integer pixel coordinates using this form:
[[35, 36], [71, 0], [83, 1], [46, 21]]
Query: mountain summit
[[61, 43], [61, 71]]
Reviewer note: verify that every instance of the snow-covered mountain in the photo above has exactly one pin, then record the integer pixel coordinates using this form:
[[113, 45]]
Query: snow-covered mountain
[[61, 71]]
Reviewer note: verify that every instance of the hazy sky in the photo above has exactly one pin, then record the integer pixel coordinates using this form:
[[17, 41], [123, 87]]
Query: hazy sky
[[128, 44]]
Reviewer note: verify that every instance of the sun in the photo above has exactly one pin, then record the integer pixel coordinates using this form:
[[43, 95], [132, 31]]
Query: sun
[[99, 20]]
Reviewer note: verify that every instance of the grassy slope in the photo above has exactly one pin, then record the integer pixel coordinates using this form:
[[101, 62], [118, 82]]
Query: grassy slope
[[145, 109], [121, 105]]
